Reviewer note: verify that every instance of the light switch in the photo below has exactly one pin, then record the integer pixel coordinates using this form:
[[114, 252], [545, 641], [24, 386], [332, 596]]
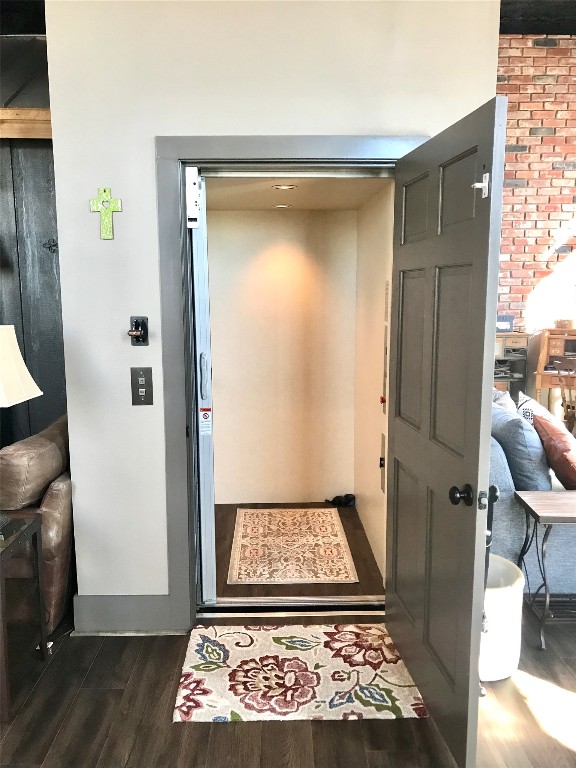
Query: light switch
[[142, 389]]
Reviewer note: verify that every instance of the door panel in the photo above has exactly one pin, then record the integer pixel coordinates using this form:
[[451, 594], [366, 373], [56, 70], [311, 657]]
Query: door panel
[[451, 343], [457, 198], [415, 209], [444, 292], [412, 294], [442, 583], [407, 579]]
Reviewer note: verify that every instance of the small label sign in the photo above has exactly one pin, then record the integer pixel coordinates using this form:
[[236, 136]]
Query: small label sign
[[205, 421]]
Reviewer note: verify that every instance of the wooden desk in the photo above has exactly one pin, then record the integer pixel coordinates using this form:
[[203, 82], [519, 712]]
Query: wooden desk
[[554, 344], [547, 508], [30, 532], [510, 360]]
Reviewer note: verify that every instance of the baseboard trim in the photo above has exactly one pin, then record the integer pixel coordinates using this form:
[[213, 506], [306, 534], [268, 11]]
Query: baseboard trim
[[131, 614]]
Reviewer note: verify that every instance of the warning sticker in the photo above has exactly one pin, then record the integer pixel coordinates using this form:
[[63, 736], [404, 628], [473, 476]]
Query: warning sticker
[[205, 421]]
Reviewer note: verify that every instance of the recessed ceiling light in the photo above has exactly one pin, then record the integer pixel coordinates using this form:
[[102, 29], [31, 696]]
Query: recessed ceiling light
[[282, 206], [284, 186]]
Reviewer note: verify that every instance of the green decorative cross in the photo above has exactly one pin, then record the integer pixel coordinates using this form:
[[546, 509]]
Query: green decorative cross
[[105, 205]]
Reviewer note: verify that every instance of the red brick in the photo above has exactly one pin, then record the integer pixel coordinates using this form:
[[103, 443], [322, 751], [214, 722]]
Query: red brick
[[553, 140], [530, 105], [556, 52], [555, 69]]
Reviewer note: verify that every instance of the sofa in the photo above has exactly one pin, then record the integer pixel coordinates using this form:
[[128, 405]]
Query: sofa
[[34, 477], [511, 470]]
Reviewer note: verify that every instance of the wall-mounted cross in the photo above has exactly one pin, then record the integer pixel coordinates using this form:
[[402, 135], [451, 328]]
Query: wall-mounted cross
[[106, 205]]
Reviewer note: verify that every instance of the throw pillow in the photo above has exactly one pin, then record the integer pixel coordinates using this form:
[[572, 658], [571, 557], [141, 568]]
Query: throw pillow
[[523, 449], [525, 407], [504, 400], [559, 446]]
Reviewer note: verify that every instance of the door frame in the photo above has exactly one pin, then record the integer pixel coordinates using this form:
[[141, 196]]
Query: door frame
[[173, 153]]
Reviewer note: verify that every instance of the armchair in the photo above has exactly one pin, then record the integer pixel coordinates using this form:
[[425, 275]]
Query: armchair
[[34, 477]]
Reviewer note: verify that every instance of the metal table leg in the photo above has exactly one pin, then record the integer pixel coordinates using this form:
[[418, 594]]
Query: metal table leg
[[527, 541], [546, 613], [35, 540]]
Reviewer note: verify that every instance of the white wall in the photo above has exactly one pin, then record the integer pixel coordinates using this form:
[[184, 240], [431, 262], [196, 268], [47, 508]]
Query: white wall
[[282, 297], [375, 221], [124, 72]]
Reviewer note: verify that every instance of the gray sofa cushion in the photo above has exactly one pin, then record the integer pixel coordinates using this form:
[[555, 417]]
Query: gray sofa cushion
[[509, 528], [523, 449]]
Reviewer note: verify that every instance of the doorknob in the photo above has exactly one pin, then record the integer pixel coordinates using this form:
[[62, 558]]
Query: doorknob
[[465, 494]]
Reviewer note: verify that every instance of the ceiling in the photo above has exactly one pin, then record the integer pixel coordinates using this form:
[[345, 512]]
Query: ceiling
[[310, 194], [528, 17]]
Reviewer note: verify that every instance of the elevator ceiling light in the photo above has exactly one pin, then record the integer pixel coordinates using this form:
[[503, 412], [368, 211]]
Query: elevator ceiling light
[[284, 186], [282, 206]]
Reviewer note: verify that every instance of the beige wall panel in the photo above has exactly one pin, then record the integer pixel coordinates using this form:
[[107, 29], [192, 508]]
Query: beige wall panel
[[124, 72], [282, 296], [374, 269]]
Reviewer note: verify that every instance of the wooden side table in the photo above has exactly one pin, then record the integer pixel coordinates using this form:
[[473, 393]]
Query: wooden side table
[[29, 533], [548, 508]]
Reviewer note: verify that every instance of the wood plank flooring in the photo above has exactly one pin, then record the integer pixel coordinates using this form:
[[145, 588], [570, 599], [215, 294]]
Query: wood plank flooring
[[106, 702], [370, 581]]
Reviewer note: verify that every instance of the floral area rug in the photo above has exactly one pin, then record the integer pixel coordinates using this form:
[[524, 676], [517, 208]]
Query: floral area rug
[[320, 672], [290, 546]]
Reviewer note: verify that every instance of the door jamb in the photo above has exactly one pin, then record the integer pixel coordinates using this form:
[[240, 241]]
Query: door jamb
[[173, 153]]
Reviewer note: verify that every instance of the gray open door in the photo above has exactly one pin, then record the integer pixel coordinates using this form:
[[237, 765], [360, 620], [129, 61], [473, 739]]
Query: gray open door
[[445, 277]]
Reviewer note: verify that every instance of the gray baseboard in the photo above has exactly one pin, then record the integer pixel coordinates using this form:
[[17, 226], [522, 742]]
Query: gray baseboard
[[101, 614]]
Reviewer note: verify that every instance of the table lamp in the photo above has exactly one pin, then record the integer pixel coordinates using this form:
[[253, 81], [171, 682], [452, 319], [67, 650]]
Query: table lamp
[[16, 384]]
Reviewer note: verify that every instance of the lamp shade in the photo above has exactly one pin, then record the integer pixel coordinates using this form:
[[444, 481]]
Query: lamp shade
[[16, 384]]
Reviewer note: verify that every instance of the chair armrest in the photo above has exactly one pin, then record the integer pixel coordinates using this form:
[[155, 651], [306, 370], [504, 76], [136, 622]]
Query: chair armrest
[[56, 511]]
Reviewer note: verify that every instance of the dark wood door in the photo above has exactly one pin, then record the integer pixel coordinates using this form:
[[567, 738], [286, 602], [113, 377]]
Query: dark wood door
[[445, 274], [30, 280]]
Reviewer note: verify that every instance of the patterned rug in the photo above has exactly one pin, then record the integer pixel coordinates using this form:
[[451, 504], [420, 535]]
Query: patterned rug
[[290, 546], [320, 672]]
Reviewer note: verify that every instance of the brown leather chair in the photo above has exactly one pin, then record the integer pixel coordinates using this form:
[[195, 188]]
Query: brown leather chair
[[34, 477]]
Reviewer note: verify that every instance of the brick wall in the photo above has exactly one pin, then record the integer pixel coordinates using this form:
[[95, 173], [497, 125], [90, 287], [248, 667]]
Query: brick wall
[[538, 74]]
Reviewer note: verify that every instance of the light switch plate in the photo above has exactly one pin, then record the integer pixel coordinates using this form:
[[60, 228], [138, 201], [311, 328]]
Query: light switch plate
[[142, 387]]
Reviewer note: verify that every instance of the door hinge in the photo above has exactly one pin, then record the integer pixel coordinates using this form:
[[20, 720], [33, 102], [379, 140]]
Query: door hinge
[[192, 197], [483, 185]]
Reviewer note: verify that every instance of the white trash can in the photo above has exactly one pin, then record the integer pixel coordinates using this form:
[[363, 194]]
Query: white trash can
[[500, 644]]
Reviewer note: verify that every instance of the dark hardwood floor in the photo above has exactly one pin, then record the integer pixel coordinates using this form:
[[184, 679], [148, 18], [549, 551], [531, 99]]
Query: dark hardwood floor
[[370, 580], [106, 702]]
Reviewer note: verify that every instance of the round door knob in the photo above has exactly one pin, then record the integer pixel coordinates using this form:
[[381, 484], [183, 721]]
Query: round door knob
[[465, 494]]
